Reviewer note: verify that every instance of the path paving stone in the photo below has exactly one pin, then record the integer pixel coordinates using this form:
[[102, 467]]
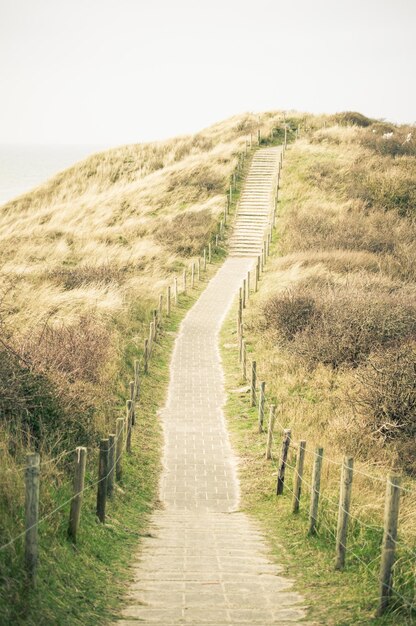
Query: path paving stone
[[205, 561]]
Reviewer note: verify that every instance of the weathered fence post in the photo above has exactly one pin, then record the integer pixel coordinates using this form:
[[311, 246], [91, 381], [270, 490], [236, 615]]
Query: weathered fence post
[[258, 136], [146, 356], [133, 411], [192, 275], [111, 463], [272, 418], [119, 447], [258, 267], [315, 491], [391, 515], [344, 511], [298, 477], [231, 196], [129, 429], [198, 269], [243, 293], [261, 405], [184, 281], [205, 260], [283, 461], [216, 240], [253, 383], [76, 502], [31, 516], [168, 305], [102, 480], [136, 379], [175, 290]]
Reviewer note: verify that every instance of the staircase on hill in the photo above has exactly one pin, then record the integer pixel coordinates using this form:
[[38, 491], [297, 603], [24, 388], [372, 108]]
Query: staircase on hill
[[255, 207]]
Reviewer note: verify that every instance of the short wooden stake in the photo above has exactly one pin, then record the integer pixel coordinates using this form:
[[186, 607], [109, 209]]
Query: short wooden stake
[[175, 290], [216, 241], [244, 360], [298, 477], [184, 281], [344, 511], [391, 515], [253, 385], [111, 463], [78, 488], [272, 418], [155, 325], [231, 195], [316, 487], [132, 398], [102, 480], [129, 428], [136, 380], [244, 291], [258, 136], [205, 260], [262, 398], [258, 267], [168, 304], [198, 269], [119, 447], [146, 356], [283, 461], [31, 516]]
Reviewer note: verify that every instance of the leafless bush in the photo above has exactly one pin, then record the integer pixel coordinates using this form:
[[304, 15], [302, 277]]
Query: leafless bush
[[387, 391], [339, 326], [186, 233], [74, 277]]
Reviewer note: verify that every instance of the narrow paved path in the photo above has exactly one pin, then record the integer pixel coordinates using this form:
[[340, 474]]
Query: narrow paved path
[[205, 562]]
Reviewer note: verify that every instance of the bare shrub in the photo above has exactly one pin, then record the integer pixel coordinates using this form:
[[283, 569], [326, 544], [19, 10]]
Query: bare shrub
[[387, 391], [351, 118], [338, 325], [74, 277], [186, 233]]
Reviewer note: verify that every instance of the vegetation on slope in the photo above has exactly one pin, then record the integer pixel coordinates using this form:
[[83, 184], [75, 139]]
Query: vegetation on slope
[[84, 258], [333, 332]]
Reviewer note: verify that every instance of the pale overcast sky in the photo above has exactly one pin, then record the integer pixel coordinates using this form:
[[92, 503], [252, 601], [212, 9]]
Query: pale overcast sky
[[121, 71]]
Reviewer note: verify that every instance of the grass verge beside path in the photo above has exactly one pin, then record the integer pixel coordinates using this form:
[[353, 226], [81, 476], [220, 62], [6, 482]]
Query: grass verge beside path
[[334, 598], [84, 585]]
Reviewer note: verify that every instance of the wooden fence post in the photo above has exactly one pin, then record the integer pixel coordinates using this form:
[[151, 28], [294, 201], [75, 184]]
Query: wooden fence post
[[253, 383], [76, 502], [133, 412], [168, 305], [240, 344], [198, 269], [298, 477], [283, 461], [244, 360], [111, 463], [243, 293], [184, 281], [136, 379], [315, 491], [31, 516], [160, 312], [391, 515], [344, 511], [272, 418], [209, 253], [258, 267], [102, 480], [216, 240], [231, 196], [119, 447], [146, 356], [261, 405], [192, 275], [155, 325], [150, 340], [129, 429], [175, 290], [205, 260]]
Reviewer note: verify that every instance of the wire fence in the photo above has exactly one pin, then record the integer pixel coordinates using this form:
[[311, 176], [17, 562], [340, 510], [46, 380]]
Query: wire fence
[[393, 557]]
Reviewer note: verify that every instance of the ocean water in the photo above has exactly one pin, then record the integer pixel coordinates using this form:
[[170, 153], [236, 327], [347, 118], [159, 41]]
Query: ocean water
[[23, 167]]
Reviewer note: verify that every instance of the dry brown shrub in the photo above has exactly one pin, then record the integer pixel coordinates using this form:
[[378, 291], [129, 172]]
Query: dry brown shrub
[[339, 325], [186, 233], [387, 391], [74, 277]]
